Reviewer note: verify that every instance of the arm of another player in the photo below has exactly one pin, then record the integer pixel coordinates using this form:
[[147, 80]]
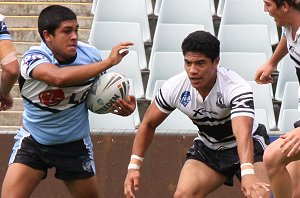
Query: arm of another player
[[72, 75], [153, 117], [242, 129], [10, 73], [263, 73]]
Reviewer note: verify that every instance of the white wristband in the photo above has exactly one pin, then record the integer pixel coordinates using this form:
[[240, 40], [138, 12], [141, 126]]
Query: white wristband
[[133, 156], [133, 166], [246, 164], [247, 172]]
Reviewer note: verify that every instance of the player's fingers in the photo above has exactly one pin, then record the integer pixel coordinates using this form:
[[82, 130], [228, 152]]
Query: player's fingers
[[265, 186], [128, 193], [136, 184], [294, 150], [124, 53], [128, 189], [126, 43]]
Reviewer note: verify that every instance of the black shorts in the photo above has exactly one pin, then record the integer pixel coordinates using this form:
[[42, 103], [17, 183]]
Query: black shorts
[[72, 160], [227, 161]]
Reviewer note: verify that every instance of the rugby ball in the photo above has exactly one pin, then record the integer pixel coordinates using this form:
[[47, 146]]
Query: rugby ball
[[106, 90]]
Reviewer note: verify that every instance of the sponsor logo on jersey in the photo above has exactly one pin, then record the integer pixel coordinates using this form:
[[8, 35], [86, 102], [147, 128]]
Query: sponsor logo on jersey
[[185, 98], [220, 100], [32, 58], [51, 97], [202, 111]]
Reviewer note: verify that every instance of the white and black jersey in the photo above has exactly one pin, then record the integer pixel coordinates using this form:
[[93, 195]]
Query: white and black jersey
[[230, 97], [293, 46]]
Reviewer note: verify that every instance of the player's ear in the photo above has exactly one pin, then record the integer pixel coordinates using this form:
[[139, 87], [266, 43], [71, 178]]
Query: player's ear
[[285, 6], [46, 35], [216, 61]]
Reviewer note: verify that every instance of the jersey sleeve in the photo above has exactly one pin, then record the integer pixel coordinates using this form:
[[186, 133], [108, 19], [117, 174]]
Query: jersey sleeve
[[163, 98], [30, 60], [4, 34], [241, 100]]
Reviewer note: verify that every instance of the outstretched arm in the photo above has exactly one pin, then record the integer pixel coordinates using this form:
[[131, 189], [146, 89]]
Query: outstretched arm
[[72, 75]]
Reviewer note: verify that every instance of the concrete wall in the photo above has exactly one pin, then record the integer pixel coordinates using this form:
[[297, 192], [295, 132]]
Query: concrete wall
[[160, 170]]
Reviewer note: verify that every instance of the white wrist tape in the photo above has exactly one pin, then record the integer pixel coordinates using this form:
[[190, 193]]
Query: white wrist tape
[[246, 164], [247, 172], [133, 156], [133, 166]]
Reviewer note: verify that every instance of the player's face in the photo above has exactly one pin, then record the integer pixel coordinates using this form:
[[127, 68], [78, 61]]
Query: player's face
[[201, 71], [63, 43], [274, 11]]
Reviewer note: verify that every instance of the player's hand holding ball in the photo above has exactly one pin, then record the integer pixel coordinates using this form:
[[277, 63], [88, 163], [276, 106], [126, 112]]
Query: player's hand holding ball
[[110, 94]]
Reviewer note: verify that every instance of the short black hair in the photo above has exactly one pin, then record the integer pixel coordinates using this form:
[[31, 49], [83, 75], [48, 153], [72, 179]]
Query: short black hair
[[293, 3], [52, 16], [203, 42]]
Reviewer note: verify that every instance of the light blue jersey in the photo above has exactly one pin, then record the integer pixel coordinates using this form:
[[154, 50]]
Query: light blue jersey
[[4, 34], [55, 115]]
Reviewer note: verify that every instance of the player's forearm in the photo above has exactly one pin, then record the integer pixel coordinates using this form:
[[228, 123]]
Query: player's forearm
[[242, 129], [68, 76], [9, 75], [142, 141], [245, 149], [279, 53]]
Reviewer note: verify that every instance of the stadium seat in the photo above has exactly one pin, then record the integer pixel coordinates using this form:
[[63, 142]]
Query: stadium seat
[[287, 73], [105, 35], [114, 11], [220, 8], [168, 37], [263, 100], [290, 99], [165, 65], [289, 117], [243, 63], [245, 38], [262, 118], [149, 7], [158, 3], [186, 12], [94, 5], [111, 122], [249, 12], [130, 68]]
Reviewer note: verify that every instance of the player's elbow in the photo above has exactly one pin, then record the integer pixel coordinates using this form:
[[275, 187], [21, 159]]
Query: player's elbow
[[12, 69], [56, 80]]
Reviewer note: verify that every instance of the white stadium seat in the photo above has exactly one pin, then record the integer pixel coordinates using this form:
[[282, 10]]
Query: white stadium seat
[[249, 12], [187, 12], [263, 100], [105, 35], [168, 38], [287, 73], [165, 65], [290, 100], [245, 38], [114, 11]]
